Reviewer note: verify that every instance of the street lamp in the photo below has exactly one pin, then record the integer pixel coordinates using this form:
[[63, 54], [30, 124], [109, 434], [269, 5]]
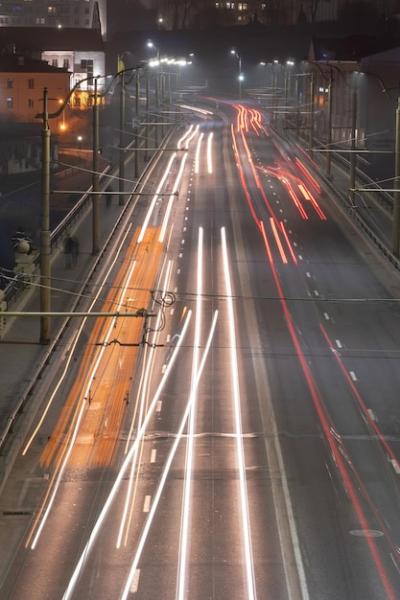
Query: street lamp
[[235, 53]]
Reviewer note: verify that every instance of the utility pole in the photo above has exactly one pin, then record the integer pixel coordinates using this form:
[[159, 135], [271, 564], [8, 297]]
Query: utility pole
[[45, 296], [147, 141], [157, 102], [396, 198], [312, 94], [137, 108], [162, 103], [95, 174], [353, 154], [121, 187], [329, 144], [298, 95]]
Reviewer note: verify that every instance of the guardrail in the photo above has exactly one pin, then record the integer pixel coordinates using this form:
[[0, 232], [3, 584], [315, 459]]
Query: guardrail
[[44, 361]]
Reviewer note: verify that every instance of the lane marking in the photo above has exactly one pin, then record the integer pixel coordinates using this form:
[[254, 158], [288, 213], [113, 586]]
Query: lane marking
[[153, 455], [171, 312], [168, 338], [146, 504], [372, 415], [135, 582], [326, 316], [395, 466], [163, 368], [316, 292], [353, 376], [338, 343], [159, 406], [300, 257], [308, 275]]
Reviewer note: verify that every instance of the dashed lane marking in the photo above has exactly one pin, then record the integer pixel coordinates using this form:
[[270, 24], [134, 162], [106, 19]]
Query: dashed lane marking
[[146, 504], [338, 343], [353, 376], [153, 455], [135, 582]]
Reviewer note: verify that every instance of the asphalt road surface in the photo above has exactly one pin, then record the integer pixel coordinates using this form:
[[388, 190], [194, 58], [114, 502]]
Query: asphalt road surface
[[241, 443]]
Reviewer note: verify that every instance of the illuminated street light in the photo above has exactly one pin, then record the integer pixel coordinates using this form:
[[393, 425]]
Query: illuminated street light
[[262, 63], [150, 44], [79, 138], [191, 54], [276, 61], [240, 76], [160, 20], [290, 63], [59, 26]]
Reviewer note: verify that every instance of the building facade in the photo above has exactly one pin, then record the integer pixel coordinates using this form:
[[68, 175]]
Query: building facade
[[86, 14], [22, 81]]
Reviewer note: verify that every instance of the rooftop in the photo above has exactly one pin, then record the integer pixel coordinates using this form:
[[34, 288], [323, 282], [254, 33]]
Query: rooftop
[[15, 63], [50, 38]]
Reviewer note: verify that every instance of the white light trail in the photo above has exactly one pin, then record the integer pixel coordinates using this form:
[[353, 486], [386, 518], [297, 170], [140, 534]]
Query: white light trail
[[209, 153], [198, 149], [185, 135], [84, 401], [141, 402], [202, 111], [155, 198], [172, 198], [196, 130], [114, 490], [158, 494], [248, 553], [184, 537]]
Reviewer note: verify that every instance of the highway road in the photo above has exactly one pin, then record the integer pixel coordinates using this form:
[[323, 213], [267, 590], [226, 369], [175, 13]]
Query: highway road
[[241, 443]]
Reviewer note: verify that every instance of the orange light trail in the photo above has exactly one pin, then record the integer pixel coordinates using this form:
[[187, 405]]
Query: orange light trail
[[308, 175]]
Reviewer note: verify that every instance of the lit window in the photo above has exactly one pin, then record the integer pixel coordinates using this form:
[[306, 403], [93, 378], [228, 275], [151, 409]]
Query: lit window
[[10, 103], [51, 10]]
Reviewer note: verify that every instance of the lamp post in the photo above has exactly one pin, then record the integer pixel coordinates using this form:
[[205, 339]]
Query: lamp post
[[45, 274], [240, 74], [95, 174]]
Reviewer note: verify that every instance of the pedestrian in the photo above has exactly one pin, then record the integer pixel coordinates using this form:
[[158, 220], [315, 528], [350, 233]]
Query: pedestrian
[[68, 244], [75, 251]]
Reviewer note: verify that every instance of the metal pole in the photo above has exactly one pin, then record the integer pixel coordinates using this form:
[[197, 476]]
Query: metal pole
[[298, 106], [162, 103], [45, 295], [136, 140], [95, 175], [240, 78], [396, 198], [329, 142], [157, 100], [147, 83], [312, 94], [121, 187], [353, 155]]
